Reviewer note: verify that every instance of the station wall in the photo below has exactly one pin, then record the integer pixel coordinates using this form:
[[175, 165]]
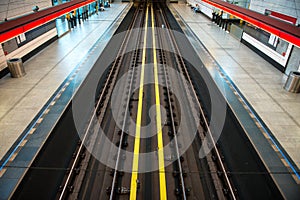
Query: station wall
[[14, 8], [287, 7], [283, 55], [31, 42]]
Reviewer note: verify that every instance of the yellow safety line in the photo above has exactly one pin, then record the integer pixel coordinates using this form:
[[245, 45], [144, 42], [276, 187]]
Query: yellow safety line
[[161, 164], [135, 164]]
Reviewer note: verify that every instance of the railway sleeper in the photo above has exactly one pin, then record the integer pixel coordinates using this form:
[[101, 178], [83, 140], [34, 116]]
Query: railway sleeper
[[181, 158], [178, 191], [134, 99], [118, 190], [123, 156], [68, 170], [82, 156], [119, 173], [74, 155], [167, 108], [169, 123], [70, 188], [170, 133], [205, 128], [130, 106], [98, 112], [60, 188], [112, 172], [120, 132], [172, 144], [176, 173], [124, 144], [108, 190], [226, 192], [219, 168], [77, 170]]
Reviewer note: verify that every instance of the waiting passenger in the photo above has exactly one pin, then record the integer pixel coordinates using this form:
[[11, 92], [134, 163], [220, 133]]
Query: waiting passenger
[[197, 9]]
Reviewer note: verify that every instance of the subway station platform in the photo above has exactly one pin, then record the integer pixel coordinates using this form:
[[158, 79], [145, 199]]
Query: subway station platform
[[256, 83], [22, 99]]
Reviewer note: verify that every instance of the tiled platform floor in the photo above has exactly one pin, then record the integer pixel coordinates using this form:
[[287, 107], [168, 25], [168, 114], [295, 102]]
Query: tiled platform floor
[[21, 99], [260, 82]]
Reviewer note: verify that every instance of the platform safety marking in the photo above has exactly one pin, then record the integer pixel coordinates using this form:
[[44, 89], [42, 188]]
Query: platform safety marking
[[32, 130], [252, 116], [266, 136], [257, 124], [13, 157], [46, 111], [296, 178], [284, 162], [261, 128], [23, 143], [58, 96], [39, 120], [2, 172], [274, 147]]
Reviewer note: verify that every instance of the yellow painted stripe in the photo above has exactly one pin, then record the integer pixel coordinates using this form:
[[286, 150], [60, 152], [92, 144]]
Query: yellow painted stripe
[[135, 164], [161, 164], [32, 130]]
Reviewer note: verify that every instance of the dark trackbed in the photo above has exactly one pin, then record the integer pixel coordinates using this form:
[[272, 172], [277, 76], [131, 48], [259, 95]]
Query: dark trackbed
[[65, 169]]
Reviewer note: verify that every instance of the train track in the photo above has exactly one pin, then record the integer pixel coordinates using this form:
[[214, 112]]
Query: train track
[[181, 189], [98, 115], [182, 68], [148, 74], [146, 17]]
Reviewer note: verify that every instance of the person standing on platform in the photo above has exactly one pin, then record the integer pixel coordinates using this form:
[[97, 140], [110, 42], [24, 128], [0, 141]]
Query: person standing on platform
[[71, 20], [79, 17], [86, 13], [97, 7], [68, 17], [74, 17]]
